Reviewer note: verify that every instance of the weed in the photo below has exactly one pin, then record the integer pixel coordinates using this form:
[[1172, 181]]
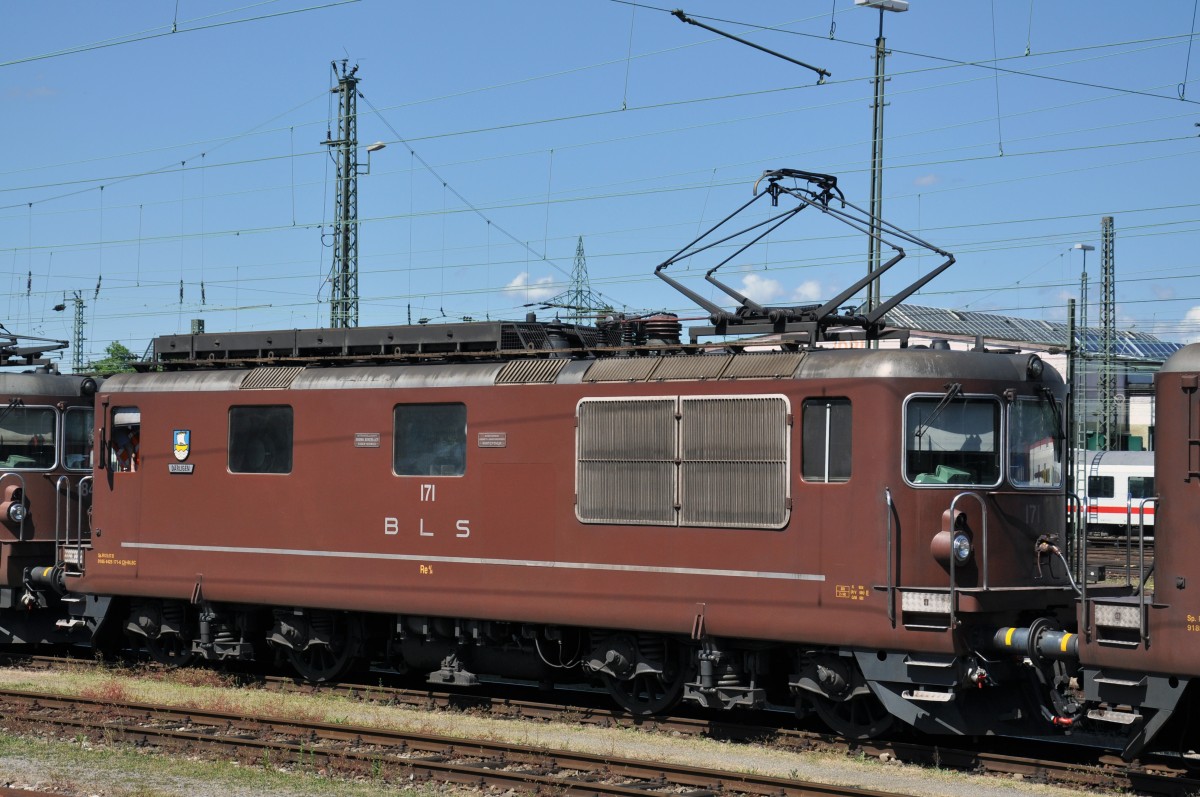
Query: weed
[[111, 691]]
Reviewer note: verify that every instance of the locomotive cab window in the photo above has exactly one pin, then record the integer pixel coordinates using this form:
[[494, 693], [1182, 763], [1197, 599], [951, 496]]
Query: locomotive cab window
[[77, 438], [952, 440], [825, 440], [429, 440], [124, 450], [27, 437], [260, 439], [1034, 444]]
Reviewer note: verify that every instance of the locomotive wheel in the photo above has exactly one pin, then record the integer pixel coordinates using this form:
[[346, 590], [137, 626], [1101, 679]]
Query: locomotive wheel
[[646, 694], [859, 718], [322, 663], [650, 693], [170, 649], [319, 663]]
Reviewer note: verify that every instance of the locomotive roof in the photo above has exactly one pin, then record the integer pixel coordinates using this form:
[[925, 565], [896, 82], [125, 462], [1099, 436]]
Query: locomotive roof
[[677, 363], [45, 384], [1186, 359]]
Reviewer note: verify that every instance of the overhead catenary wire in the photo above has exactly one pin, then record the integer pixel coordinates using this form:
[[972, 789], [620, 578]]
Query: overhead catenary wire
[[549, 199]]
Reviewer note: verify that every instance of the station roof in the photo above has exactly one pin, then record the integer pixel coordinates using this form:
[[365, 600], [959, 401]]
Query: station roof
[[1127, 344]]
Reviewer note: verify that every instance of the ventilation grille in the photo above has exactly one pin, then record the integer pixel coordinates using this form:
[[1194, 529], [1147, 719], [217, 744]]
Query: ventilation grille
[[527, 372], [734, 454], [734, 494], [626, 461], [698, 367], [636, 429], [710, 461], [270, 378], [637, 493], [778, 365], [621, 369], [742, 429]]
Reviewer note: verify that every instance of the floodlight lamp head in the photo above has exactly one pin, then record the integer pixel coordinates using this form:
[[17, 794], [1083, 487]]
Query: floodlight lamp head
[[884, 5], [378, 145], [1085, 247]]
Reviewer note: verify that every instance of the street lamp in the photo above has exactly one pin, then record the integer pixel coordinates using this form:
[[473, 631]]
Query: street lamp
[[1083, 337], [1083, 288], [873, 245], [378, 145]]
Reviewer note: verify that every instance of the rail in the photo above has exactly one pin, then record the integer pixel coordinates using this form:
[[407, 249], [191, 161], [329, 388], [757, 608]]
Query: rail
[[983, 558], [21, 482]]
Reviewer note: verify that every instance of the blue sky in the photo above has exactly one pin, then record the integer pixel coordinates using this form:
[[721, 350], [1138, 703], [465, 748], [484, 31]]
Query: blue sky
[[140, 158]]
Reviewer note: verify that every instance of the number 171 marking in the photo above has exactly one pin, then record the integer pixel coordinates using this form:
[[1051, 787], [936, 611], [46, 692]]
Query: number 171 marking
[[428, 492]]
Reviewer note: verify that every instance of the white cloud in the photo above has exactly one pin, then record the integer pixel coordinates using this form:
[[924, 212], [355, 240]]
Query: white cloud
[[541, 288], [926, 180], [761, 289], [807, 291], [1191, 326]]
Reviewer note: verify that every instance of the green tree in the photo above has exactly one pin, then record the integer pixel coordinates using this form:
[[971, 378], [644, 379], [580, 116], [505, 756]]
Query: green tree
[[119, 360]]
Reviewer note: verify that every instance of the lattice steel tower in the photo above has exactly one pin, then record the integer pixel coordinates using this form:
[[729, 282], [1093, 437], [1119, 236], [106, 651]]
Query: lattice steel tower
[[343, 276], [579, 299], [77, 336], [1108, 332]]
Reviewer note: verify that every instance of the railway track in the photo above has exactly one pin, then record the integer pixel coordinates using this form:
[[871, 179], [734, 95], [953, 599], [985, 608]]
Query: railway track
[[387, 755], [1074, 767]]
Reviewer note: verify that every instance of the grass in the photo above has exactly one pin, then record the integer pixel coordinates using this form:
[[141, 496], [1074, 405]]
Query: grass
[[75, 767]]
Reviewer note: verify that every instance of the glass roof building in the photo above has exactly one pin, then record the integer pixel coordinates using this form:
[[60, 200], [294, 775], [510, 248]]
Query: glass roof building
[[1127, 345]]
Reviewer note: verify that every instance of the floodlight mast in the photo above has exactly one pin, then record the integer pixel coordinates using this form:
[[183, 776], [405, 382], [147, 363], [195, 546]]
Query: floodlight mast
[[802, 325]]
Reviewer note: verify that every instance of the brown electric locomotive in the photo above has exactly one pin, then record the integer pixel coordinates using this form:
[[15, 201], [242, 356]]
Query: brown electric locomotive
[[46, 422], [867, 532]]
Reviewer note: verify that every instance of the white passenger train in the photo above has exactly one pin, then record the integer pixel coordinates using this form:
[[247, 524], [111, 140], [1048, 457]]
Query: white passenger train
[[1112, 486]]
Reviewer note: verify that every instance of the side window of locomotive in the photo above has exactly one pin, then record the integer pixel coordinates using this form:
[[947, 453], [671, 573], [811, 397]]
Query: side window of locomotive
[[77, 438], [1141, 487], [27, 437], [125, 444], [825, 440], [1100, 487], [429, 440], [1034, 447], [952, 441], [260, 439]]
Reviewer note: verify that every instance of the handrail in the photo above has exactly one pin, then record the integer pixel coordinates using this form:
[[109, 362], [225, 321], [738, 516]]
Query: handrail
[[20, 481], [891, 587], [1073, 500], [1128, 542], [983, 557], [1087, 612], [62, 487], [84, 487], [63, 538], [1141, 593]]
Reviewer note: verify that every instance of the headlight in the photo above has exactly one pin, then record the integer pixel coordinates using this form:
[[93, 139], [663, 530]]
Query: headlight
[[16, 512], [1034, 368], [961, 548]]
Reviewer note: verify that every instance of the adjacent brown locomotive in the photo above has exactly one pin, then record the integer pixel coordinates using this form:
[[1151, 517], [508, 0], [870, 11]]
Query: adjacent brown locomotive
[[870, 533], [46, 422]]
